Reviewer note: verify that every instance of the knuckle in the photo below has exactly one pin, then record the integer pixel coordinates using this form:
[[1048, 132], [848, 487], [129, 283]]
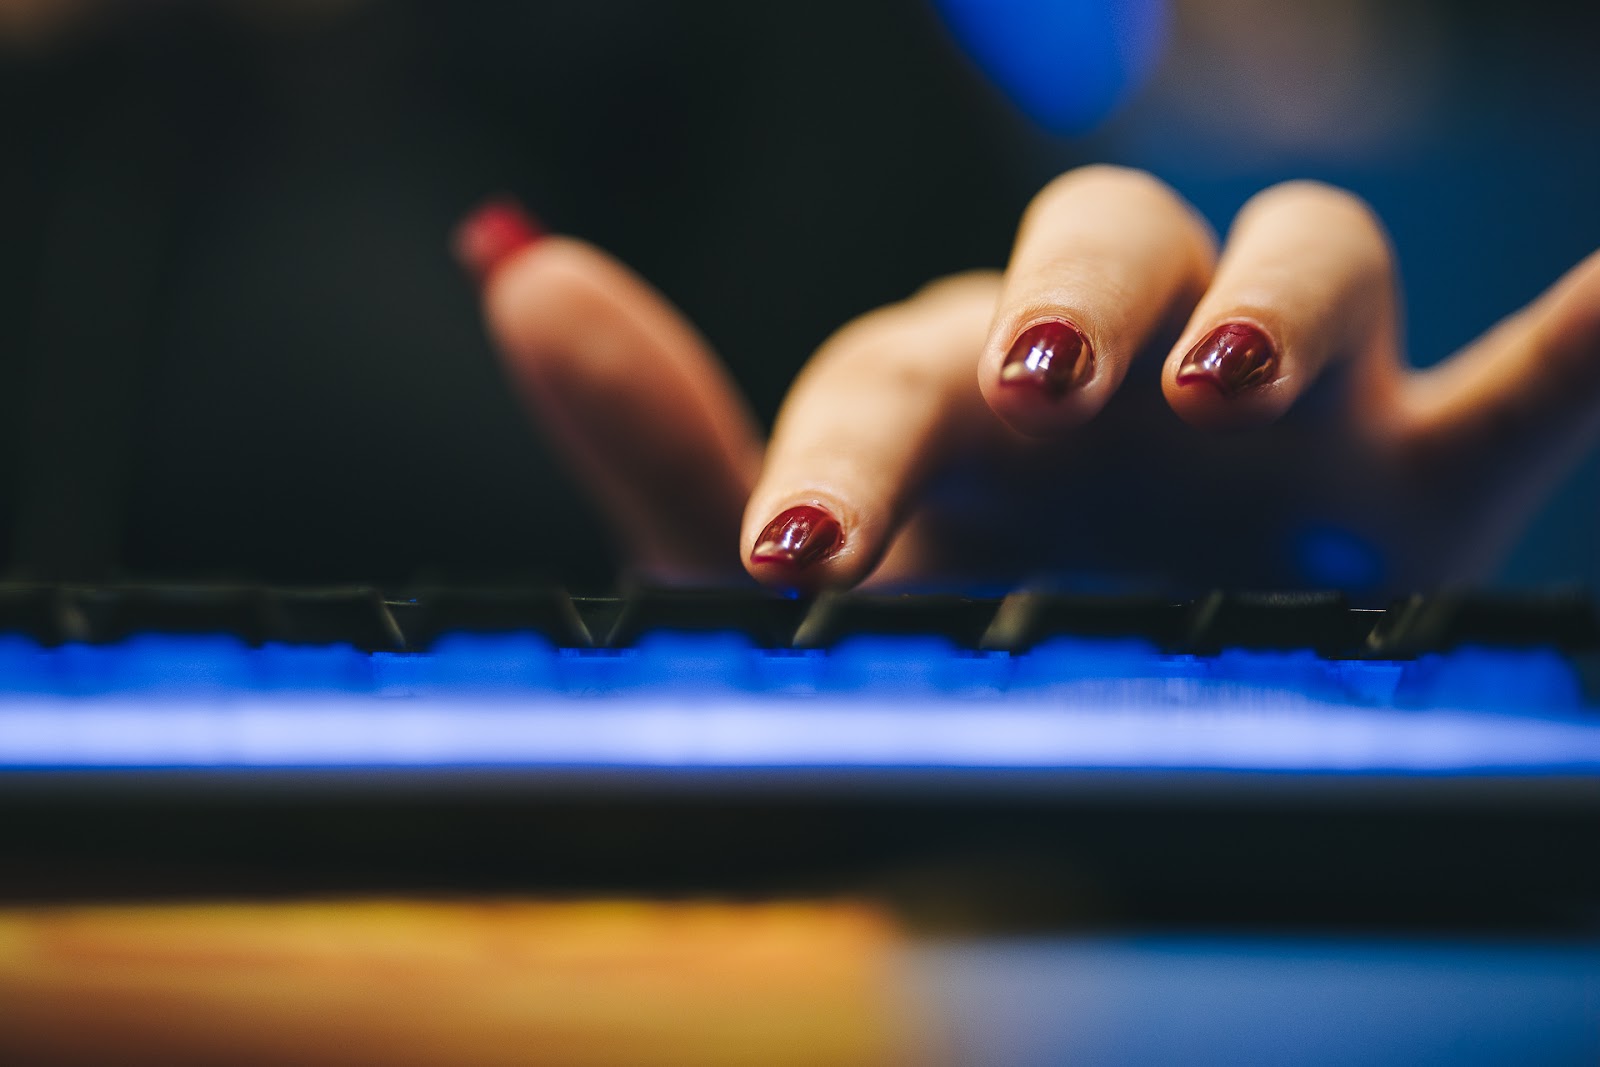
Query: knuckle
[[883, 347]]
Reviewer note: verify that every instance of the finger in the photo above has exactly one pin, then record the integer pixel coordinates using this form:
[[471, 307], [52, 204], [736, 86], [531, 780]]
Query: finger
[[885, 402], [1306, 278], [1105, 258], [626, 390], [1522, 404]]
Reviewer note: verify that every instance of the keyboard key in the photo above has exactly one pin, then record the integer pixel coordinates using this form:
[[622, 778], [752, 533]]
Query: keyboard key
[[766, 620], [1322, 622], [1027, 619], [1440, 622], [119, 613], [962, 621], [548, 613], [353, 615], [43, 613]]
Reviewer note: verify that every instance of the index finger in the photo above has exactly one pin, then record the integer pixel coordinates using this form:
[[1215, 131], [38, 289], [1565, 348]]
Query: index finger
[[882, 405]]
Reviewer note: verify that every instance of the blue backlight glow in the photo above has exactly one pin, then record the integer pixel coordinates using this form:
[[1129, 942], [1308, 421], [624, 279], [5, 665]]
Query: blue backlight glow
[[1068, 64], [703, 701]]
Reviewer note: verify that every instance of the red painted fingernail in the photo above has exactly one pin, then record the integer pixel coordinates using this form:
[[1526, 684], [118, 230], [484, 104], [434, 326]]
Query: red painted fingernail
[[1052, 356], [487, 237], [798, 538], [1231, 358]]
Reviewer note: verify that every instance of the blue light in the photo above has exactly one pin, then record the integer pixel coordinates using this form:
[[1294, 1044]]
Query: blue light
[[913, 666], [1335, 558], [742, 731], [488, 662], [1068, 64], [1497, 678], [1289, 1001], [690, 701]]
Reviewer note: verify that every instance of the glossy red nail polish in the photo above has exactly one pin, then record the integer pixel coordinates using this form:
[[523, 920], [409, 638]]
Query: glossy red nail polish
[[496, 229], [1052, 356], [798, 538], [1232, 358]]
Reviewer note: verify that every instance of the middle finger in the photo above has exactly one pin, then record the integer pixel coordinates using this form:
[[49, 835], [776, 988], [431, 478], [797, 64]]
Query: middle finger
[[1105, 257]]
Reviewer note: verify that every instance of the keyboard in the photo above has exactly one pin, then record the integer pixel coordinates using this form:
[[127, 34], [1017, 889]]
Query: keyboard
[[209, 677], [1210, 756]]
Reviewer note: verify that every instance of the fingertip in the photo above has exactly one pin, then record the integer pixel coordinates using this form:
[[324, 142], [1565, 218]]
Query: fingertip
[[803, 549], [1201, 406], [1231, 378], [492, 233], [1044, 382], [792, 549]]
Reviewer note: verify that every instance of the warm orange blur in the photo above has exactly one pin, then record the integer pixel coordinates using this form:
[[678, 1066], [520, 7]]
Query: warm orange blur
[[407, 984]]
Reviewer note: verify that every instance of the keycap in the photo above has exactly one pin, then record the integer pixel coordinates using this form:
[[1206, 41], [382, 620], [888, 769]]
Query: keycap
[[1323, 622], [1028, 618], [118, 613], [43, 613], [354, 615], [1440, 622], [766, 620], [962, 621], [547, 612]]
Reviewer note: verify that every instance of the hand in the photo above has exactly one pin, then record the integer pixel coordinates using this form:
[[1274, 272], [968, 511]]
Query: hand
[[1119, 404]]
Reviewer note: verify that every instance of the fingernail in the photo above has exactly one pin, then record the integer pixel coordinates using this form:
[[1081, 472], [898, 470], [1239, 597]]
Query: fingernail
[[798, 538], [1231, 358], [488, 237], [1052, 356]]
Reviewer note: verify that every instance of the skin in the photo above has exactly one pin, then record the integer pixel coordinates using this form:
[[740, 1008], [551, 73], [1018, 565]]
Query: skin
[[940, 474]]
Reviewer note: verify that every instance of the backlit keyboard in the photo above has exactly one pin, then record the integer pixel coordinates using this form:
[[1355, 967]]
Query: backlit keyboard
[[1029, 761], [172, 677]]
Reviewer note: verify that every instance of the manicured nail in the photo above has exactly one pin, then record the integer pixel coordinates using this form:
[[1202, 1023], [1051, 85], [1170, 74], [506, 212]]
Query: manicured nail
[[488, 237], [1052, 356], [1231, 358], [798, 538]]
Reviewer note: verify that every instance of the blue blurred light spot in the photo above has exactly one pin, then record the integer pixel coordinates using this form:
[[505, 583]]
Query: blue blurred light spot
[[1336, 558], [712, 699], [319, 668], [1070, 659], [1068, 64], [1513, 680], [491, 661], [908, 665], [27, 668], [678, 660], [172, 664]]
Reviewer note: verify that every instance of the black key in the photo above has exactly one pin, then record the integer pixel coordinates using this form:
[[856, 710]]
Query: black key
[[1321, 621], [769, 621], [1026, 619], [1438, 623], [354, 615], [546, 612], [833, 618], [116, 613], [43, 612]]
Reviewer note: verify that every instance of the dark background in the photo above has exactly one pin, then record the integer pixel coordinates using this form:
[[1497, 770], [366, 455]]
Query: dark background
[[234, 343]]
